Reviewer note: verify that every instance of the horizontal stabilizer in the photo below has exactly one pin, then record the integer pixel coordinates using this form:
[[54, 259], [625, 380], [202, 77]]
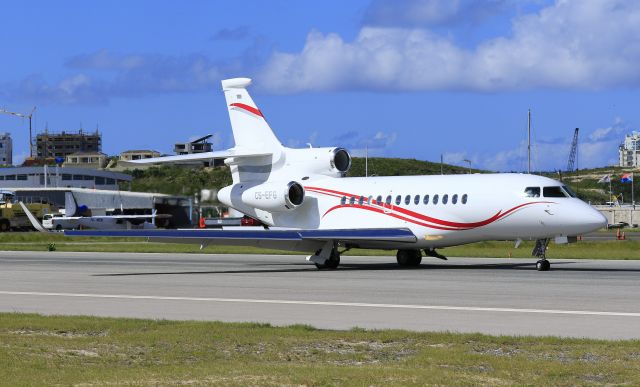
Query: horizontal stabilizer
[[198, 157]]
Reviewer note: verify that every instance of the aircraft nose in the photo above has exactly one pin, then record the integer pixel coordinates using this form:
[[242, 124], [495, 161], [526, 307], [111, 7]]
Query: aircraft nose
[[593, 220]]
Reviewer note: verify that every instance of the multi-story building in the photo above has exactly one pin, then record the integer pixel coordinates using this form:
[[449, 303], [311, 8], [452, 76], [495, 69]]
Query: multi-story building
[[65, 143], [6, 149], [93, 160], [34, 177], [200, 145], [138, 154], [629, 151]]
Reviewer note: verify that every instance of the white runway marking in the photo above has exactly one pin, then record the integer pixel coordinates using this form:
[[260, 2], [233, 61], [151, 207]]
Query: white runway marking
[[325, 303]]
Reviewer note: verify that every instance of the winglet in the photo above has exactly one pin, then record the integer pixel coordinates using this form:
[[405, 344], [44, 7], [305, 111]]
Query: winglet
[[34, 221]]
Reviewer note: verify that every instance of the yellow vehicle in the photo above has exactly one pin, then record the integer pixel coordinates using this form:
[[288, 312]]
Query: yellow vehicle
[[13, 217]]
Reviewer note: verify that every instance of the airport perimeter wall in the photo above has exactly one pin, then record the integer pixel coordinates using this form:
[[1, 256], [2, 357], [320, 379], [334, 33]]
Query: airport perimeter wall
[[617, 214]]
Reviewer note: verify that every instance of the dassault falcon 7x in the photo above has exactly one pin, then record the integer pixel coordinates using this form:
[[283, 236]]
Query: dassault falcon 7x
[[307, 203]]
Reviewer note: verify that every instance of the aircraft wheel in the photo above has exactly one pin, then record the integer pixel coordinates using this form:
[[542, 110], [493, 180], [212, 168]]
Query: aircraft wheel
[[543, 265], [409, 258], [4, 225], [332, 262]]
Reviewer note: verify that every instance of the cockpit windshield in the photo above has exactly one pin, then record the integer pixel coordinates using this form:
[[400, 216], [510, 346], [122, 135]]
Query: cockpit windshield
[[569, 191], [532, 192], [554, 192]]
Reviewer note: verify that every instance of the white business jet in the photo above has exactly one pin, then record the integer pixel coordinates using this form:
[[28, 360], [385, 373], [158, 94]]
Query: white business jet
[[308, 204]]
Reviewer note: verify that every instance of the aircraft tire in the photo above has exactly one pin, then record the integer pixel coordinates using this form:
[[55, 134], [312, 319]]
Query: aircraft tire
[[543, 265], [331, 263], [409, 258]]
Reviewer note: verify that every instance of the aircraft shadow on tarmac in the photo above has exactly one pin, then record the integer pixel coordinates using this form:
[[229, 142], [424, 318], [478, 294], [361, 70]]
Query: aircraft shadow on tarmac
[[556, 266]]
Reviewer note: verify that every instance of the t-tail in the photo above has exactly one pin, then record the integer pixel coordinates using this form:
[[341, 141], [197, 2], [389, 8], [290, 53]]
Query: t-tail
[[267, 177], [250, 128]]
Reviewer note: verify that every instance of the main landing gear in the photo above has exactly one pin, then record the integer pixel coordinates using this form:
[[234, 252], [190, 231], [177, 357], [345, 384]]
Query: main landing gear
[[409, 258], [328, 257], [540, 251]]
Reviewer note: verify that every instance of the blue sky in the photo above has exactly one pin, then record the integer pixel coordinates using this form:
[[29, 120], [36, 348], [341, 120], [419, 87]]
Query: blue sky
[[407, 78]]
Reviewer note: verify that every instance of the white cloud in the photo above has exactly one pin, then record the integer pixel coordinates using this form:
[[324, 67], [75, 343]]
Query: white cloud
[[571, 44]]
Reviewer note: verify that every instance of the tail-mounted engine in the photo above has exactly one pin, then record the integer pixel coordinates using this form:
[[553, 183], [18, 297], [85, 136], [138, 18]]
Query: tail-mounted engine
[[271, 197], [321, 161]]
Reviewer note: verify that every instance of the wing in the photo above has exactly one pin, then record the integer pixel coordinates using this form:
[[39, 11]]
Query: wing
[[195, 157], [296, 240]]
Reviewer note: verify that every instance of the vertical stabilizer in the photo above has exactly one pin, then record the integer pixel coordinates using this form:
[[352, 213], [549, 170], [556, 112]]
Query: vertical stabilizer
[[250, 129]]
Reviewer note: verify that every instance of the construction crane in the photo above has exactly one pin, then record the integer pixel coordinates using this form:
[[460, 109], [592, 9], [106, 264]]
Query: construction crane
[[29, 116], [573, 154]]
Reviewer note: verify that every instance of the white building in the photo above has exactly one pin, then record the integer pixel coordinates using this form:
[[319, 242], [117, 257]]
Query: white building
[[6, 149], [629, 151]]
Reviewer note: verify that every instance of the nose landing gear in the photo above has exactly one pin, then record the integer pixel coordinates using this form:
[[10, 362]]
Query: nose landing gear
[[540, 251]]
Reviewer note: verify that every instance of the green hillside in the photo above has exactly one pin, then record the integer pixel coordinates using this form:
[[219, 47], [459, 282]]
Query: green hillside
[[177, 180], [585, 183]]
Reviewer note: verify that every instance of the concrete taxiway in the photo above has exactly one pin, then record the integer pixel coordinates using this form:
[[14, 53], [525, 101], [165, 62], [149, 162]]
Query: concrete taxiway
[[577, 298]]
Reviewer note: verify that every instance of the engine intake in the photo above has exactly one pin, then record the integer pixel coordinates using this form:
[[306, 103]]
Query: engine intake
[[341, 160], [272, 197]]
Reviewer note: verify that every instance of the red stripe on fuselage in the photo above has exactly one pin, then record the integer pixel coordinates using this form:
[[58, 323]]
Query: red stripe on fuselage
[[248, 108], [442, 224]]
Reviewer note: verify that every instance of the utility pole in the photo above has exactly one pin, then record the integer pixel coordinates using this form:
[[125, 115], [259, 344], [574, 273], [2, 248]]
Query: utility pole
[[29, 116], [441, 164], [529, 143], [468, 162], [366, 160]]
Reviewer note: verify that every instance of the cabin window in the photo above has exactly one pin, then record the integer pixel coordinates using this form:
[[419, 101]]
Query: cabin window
[[361, 201], [553, 192], [569, 191], [445, 199], [464, 199], [388, 199], [426, 199], [407, 199], [532, 192], [352, 200], [435, 199], [416, 200], [398, 199], [454, 199], [343, 201], [379, 200], [369, 200]]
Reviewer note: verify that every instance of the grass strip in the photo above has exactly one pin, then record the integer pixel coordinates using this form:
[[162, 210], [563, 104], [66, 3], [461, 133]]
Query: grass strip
[[39, 350]]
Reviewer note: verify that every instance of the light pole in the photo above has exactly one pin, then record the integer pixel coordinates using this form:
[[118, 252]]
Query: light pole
[[29, 116]]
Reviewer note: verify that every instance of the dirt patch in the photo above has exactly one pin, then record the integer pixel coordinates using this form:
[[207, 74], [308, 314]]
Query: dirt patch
[[343, 352], [61, 333], [506, 352], [78, 352]]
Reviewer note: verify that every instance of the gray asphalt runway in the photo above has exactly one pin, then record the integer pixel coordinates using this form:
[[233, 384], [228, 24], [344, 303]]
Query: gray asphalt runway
[[577, 298]]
